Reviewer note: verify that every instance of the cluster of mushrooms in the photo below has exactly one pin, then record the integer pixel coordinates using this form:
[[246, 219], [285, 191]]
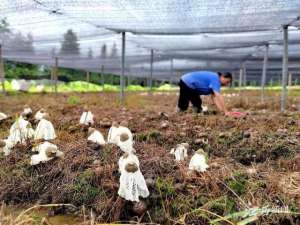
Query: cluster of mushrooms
[[198, 161], [132, 182], [22, 132]]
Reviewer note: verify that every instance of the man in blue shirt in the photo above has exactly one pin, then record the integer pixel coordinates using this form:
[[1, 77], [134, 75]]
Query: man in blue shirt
[[194, 84]]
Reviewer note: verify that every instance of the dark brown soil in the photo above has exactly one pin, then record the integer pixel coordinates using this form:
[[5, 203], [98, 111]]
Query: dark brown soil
[[250, 159]]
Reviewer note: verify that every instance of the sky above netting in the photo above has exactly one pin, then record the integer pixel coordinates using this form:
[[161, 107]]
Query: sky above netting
[[196, 34]]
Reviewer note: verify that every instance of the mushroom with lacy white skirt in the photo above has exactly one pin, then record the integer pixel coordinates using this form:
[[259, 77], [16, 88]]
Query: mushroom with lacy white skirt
[[44, 130], [95, 139], [132, 182], [87, 118], [46, 151], [180, 151], [199, 161]]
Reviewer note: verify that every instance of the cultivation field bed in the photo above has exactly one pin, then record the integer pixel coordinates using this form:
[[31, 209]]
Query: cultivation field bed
[[253, 161]]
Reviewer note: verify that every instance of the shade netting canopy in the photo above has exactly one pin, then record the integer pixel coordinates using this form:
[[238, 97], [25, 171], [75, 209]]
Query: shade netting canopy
[[184, 35]]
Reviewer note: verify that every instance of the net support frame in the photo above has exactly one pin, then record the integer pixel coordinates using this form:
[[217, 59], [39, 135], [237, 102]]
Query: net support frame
[[102, 77], [2, 71], [284, 69], [122, 83], [264, 72], [151, 72]]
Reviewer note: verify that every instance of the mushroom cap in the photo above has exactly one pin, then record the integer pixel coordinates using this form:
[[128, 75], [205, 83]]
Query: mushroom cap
[[131, 167], [42, 110], [51, 151], [186, 145], [124, 137]]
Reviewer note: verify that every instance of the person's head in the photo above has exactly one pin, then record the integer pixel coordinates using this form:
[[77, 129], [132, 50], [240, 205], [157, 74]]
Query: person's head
[[225, 78]]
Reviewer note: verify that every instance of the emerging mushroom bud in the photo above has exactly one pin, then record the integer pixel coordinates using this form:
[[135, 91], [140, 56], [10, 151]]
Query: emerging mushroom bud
[[139, 208]]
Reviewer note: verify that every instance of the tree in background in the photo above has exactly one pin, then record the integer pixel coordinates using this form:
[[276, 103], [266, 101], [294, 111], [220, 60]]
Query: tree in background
[[103, 52], [70, 45], [90, 53], [114, 51]]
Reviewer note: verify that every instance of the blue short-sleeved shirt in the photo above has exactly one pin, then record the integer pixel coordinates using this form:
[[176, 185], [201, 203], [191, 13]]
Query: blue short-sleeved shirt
[[204, 82]]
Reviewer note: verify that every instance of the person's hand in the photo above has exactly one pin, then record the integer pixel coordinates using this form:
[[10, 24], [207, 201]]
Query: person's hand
[[235, 114]]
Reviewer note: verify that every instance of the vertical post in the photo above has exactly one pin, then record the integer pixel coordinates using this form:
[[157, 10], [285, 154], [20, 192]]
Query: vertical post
[[271, 82], [151, 71], [240, 80], [244, 75], [102, 77], [284, 68], [55, 74], [264, 73], [171, 71], [123, 68], [2, 72], [87, 76], [290, 80]]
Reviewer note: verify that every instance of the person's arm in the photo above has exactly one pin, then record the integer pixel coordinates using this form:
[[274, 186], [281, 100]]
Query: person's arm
[[219, 102]]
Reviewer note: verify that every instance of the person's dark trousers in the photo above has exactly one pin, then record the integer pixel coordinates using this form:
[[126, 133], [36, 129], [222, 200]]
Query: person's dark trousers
[[187, 95]]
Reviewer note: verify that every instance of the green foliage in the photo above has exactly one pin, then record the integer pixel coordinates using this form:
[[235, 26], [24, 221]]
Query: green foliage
[[73, 100], [84, 192], [238, 183], [165, 187]]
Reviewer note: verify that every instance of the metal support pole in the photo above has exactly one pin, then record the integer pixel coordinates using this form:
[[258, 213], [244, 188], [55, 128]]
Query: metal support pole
[[172, 71], [102, 77], [241, 79], [284, 68], [290, 79], [244, 75], [264, 73], [55, 74], [2, 72], [151, 71], [87, 76], [123, 68]]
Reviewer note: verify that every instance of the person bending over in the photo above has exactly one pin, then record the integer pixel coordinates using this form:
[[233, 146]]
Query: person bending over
[[193, 85]]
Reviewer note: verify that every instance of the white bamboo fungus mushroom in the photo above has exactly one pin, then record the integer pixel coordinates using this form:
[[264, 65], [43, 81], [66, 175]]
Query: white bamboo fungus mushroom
[[40, 114], [122, 137], [199, 161], [6, 146], [27, 111], [3, 116], [44, 130], [87, 118], [180, 151], [20, 131], [46, 152], [125, 143], [96, 136], [132, 181]]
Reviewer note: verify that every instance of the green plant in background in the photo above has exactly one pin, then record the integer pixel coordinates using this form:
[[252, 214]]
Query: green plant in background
[[238, 183], [84, 192], [73, 100]]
